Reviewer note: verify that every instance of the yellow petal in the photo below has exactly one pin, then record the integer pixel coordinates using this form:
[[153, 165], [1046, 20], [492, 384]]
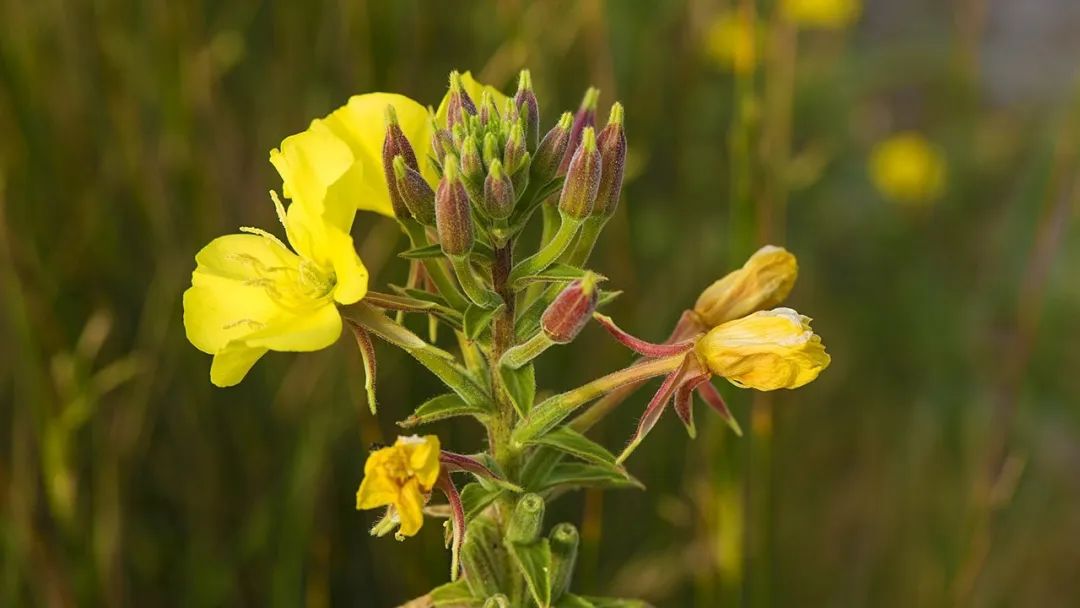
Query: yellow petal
[[376, 490], [424, 460], [475, 91], [320, 171], [763, 282], [361, 124], [352, 275], [231, 364], [410, 508], [306, 330]]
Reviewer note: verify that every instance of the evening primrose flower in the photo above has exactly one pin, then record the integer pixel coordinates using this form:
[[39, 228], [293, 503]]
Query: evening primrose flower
[[731, 41], [250, 293], [768, 350], [824, 14], [908, 169], [401, 477], [762, 282], [339, 157]]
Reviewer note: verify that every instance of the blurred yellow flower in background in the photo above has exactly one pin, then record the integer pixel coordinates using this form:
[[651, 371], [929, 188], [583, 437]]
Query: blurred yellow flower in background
[[401, 476], [908, 169], [762, 282], [825, 14], [731, 42], [768, 350]]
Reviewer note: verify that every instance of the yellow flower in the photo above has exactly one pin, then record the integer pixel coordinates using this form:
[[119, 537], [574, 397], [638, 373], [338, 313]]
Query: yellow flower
[[767, 350], [339, 157], [475, 91], [401, 476], [908, 169], [825, 14], [763, 282], [731, 41], [250, 293]]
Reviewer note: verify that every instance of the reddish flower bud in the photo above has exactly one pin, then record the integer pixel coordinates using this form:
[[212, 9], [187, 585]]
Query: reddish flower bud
[[453, 221], [549, 154], [396, 144], [527, 105], [515, 155], [585, 117], [612, 145], [442, 143], [582, 178], [460, 105], [568, 313], [498, 192], [415, 192]]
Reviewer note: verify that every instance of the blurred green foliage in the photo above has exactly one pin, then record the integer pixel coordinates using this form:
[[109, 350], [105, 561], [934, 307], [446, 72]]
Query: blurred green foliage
[[936, 463]]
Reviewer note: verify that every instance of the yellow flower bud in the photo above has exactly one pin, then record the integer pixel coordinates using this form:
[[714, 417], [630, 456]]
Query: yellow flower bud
[[767, 350], [401, 476], [763, 282]]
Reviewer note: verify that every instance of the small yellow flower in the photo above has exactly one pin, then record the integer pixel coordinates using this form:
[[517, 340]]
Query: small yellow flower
[[401, 476], [908, 169], [763, 282], [825, 14], [767, 350], [731, 41], [250, 293], [475, 91], [339, 157]]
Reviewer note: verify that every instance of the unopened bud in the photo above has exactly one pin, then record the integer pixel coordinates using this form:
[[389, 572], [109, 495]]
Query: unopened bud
[[487, 111], [515, 154], [582, 178], [498, 192], [612, 145], [584, 118], [460, 104], [571, 310], [526, 103], [453, 221], [564, 540], [414, 191], [526, 519], [762, 282], [442, 143], [550, 151], [396, 144], [490, 149], [472, 167]]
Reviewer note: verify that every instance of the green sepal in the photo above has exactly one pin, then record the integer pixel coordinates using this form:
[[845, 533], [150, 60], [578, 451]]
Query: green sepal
[[521, 386], [568, 440], [476, 496], [556, 273], [478, 318], [570, 475], [534, 562], [420, 253], [441, 407], [454, 595]]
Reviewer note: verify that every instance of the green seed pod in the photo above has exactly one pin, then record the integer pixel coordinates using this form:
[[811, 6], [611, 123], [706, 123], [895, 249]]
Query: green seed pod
[[483, 556], [415, 192], [582, 178], [453, 220], [564, 547], [526, 520]]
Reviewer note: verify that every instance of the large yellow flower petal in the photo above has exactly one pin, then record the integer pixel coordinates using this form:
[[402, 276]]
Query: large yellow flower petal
[[231, 364], [361, 123], [475, 91], [351, 274], [762, 282], [376, 491], [423, 458], [320, 171], [410, 508], [303, 331]]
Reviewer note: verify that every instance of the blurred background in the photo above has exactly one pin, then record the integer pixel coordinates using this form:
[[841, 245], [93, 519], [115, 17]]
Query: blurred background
[[920, 158]]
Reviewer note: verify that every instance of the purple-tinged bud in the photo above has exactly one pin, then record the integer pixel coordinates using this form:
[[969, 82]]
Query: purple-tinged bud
[[460, 104], [582, 178], [442, 143], [415, 192], [490, 149], [515, 155], [571, 310], [612, 145], [453, 221], [585, 117], [472, 166], [525, 101], [498, 192], [549, 154], [458, 135], [396, 144], [487, 111]]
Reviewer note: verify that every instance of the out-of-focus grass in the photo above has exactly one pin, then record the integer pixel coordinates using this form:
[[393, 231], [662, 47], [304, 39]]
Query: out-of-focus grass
[[936, 462]]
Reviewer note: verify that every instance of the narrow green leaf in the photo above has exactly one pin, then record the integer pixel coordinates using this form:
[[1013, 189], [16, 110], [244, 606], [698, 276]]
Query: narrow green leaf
[[475, 497], [534, 562], [454, 595], [521, 385], [420, 253], [569, 600], [556, 273], [420, 294], [607, 297], [568, 475], [477, 319], [440, 408], [572, 442]]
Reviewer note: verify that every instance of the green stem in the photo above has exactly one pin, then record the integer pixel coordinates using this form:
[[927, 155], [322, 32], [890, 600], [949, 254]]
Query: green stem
[[552, 411], [435, 267], [479, 294], [518, 356], [550, 252], [583, 248]]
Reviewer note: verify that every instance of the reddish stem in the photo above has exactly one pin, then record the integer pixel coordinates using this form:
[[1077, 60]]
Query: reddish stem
[[640, 346]]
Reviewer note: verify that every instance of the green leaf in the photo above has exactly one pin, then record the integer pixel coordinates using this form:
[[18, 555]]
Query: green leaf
[[568, 475], [569, 600], [556, 273], [572, 442], [534, 562], [454, 595], [607, 297], [442, 407], [420, 294], [475, 497], [477, 319], [420, 253], [521, 385]]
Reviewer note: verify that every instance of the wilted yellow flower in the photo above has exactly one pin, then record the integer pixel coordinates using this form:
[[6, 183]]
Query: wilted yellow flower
[[340, 156], [250, 293], [767, 350], [401, 476], [826, 14], [762, 282], [731, 41], [908, 169], [475, 91]]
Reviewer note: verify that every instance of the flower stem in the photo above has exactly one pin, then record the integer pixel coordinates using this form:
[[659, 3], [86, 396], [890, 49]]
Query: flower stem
[[550, 252], [480, 295]]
